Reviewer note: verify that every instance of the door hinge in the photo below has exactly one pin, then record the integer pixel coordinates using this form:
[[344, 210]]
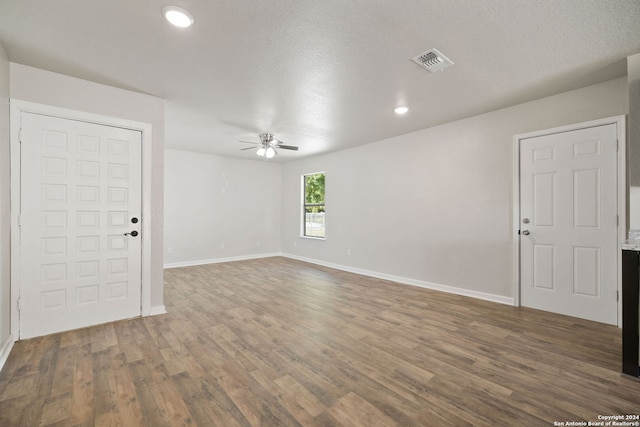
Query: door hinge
[[618, 220], [617, 296], [20, 136], [19, 220], [19, 304]]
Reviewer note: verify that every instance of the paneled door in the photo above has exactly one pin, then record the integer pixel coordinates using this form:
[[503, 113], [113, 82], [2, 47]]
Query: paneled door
[[569, 249], [80, 248]]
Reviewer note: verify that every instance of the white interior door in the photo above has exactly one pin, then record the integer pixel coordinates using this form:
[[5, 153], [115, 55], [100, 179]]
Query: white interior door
[[568, 205], [80, 193]]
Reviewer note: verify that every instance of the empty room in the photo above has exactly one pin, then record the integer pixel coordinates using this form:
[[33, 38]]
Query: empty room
[[369, 213]]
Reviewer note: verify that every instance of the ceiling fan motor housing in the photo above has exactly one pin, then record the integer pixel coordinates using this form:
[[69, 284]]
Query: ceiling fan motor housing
[[266, 138]]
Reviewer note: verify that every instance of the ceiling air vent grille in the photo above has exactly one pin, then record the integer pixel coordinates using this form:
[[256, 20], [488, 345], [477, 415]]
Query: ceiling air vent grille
[[432, 60]]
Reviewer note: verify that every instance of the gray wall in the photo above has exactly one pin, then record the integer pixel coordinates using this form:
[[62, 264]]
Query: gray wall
[[44, 87], [435, 205], [5, 199], [212, 201]]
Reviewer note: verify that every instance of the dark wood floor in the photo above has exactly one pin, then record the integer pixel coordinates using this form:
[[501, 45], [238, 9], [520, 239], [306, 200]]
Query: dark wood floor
[[275, 342]]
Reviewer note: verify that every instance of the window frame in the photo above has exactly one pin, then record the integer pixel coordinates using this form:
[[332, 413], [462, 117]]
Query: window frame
[[305, 205]]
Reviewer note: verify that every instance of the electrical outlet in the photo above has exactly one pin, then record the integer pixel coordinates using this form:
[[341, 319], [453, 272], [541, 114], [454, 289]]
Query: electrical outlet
[[258, 243], [221, 245], [349, 252], [169, 250]]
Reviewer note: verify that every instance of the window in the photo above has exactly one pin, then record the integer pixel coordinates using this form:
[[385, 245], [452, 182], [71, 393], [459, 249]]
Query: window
[[313, 205]]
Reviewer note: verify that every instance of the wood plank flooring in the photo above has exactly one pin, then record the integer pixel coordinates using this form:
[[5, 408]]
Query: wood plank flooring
[[278, 342]]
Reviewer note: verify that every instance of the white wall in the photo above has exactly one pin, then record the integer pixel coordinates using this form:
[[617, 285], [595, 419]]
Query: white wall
[[435, 205], [5, 199], [44, 87], [212, 201]]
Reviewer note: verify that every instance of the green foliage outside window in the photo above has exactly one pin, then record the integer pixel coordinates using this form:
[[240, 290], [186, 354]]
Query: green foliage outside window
[[314, 192]]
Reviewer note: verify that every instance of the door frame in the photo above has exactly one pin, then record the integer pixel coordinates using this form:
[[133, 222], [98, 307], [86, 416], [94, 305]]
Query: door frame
[[17, 107], [620, 122]]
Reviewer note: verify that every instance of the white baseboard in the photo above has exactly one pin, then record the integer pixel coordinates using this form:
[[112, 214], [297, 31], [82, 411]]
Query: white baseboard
[[413, 282], [219, 260], [159, 309], [6, 349]]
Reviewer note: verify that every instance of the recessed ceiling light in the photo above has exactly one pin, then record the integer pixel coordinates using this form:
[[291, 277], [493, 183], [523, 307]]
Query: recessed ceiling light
[[178, 16], [401, 110]]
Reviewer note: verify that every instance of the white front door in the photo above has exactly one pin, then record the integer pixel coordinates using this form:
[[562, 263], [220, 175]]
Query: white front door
[[568, 206], [80, 189]]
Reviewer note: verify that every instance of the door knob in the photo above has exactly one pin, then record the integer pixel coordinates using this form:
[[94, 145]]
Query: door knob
[[525, 232], [134, 233], [134, 220], [525, 221]]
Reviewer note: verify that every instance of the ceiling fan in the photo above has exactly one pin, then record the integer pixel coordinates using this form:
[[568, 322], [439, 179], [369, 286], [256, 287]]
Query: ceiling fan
[[267, 146]]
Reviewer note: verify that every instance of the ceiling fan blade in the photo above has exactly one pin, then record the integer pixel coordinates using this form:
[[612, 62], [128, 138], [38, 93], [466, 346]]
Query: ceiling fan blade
[[288, 147], [250, 142], [248, 148]]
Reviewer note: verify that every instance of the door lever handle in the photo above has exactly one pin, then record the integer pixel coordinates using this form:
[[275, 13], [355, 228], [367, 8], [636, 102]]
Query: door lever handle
[[133, 233], [525, 232]]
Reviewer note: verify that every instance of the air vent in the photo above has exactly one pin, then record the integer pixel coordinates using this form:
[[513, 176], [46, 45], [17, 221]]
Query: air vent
[[432, 60]]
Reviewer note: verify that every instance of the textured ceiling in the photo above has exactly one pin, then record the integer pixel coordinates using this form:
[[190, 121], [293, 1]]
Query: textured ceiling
[[324, 75]]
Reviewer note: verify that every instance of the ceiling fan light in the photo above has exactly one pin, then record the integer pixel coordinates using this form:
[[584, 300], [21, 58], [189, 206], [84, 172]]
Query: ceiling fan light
[[178, 16], [261, 152], [270, 153]]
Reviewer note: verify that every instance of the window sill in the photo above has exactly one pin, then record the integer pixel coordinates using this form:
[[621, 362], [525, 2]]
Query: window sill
[[313, 238]]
